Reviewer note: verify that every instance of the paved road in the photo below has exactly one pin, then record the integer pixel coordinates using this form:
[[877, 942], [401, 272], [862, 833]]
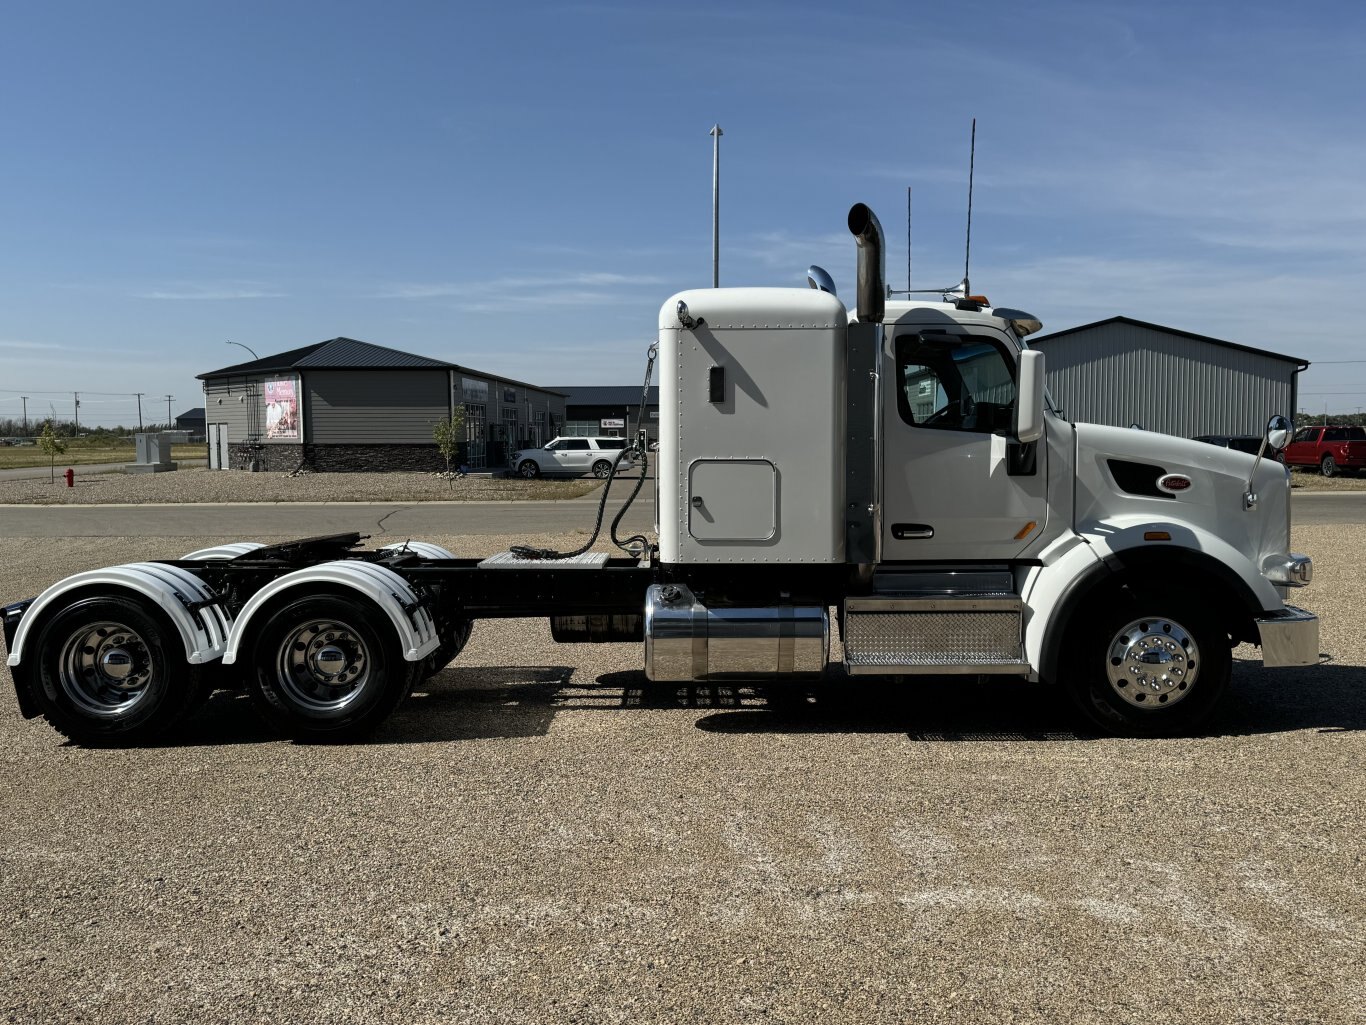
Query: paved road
[[419, 519]]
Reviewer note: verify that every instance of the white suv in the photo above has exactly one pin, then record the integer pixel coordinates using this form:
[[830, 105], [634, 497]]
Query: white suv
[[573, 457]]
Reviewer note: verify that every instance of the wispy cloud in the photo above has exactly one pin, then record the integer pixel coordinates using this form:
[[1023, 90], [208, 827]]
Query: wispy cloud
[[8, 344], [576, 289], [214, 291]]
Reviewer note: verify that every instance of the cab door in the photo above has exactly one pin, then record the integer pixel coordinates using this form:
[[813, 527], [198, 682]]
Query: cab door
[[956, 484]]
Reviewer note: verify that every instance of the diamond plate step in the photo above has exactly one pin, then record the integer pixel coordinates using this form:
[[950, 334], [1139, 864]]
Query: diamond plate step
[[964, 633]]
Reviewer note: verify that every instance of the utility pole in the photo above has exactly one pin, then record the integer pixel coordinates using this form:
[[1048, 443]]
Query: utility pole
[[24, 398], [139, 395], [716, 134], [77, 397], [168, 411]]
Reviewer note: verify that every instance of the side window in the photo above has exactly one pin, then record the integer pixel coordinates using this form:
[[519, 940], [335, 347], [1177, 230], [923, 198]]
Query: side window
[[1305, 434], [576, 444], [955, 383], [611, 443]]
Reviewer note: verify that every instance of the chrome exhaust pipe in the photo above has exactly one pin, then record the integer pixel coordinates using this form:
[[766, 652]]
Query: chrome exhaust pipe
[[872, 264]]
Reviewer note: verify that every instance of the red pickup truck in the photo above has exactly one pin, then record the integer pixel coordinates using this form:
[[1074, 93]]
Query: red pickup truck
[[1331, 449]]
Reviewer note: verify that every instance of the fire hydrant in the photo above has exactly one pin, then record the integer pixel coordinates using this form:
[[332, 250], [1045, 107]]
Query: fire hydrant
[[70, 477]]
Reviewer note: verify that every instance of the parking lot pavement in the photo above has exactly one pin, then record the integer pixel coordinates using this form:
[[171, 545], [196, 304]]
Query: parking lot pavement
[[540, 835]]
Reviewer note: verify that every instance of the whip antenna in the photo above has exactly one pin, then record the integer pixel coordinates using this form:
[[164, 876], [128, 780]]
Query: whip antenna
[[967, 250]]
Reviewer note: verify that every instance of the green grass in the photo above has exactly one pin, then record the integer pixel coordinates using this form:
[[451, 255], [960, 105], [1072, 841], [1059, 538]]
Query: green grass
[[83, 452]]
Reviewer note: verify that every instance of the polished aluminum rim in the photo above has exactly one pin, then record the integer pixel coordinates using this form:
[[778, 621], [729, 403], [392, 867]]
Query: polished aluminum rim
[[105, 669], [1153, 662], [323, 665]]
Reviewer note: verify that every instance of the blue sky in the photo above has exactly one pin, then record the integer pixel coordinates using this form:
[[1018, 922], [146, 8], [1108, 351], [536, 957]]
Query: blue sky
[[517, 187]]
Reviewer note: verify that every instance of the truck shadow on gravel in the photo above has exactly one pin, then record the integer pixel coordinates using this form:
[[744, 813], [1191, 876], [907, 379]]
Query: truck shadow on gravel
[[487, 702], [475, 703], [1327, 698]]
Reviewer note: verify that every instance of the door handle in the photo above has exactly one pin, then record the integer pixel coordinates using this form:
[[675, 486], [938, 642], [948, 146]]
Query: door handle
[[912, 531], [697, 501]]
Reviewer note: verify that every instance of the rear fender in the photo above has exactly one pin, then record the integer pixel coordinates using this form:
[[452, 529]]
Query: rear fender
[[395, 597], [188, 602]]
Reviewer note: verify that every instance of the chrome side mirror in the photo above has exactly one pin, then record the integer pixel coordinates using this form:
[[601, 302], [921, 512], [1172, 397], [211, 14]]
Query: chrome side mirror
[[1274, 438], [1277, 433]]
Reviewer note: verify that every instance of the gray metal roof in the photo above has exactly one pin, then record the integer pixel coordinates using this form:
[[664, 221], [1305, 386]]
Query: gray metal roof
[[1034, 342], [606, 395], [335, 354]]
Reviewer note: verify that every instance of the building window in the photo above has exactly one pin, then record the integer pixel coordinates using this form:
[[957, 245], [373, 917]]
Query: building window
[[476, 421]]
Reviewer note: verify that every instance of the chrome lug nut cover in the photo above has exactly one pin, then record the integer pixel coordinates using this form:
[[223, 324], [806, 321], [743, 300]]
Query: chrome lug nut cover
[[1152, 663]]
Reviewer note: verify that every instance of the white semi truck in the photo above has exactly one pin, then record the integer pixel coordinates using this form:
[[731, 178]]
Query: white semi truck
[[899, 464]]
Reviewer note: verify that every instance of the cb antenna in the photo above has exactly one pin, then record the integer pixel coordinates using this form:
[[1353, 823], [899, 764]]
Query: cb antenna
[[967, 249]]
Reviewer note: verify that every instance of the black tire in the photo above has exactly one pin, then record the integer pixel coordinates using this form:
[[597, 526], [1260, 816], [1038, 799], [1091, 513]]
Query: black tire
[[1328, 466], [450, 647], [290, 683], [111, 672], [602, 469], [529, 469], [1146, 666]]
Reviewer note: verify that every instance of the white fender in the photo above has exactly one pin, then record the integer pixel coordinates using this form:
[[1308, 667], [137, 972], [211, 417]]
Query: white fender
[[203, 632], [1071, 556], [384, 587], [423, 549], [228, 551]]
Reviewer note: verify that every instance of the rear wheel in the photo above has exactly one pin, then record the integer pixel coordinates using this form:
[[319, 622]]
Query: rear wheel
[[527, 468], [111, 671], [451, 646], [1146, 666], [602, 469], [1328, 467], [328, 669]]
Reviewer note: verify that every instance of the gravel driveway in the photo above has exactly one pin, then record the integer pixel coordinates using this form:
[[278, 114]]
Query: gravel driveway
[[540, 836], [202, 485]]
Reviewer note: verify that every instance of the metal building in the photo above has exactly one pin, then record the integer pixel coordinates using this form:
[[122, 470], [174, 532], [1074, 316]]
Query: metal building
[[611, 410], [349, 405], [1123, 372]]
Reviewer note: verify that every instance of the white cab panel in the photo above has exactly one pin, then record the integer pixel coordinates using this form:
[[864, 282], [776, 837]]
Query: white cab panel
[[752, 423]]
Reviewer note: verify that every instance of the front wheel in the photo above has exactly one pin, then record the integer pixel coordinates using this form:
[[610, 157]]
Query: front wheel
[[527, 468], [602, 469], [1147, 667], [112, 672], [1328, 467], [328, 668]]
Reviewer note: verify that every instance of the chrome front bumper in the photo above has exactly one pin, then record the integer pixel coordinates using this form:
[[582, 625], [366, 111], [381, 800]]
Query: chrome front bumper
[[1289, 638]]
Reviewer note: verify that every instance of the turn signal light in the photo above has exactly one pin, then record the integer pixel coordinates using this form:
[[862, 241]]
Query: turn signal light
[[1156, 535]]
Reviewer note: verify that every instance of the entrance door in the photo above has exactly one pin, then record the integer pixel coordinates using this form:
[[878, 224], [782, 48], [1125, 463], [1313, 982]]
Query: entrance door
[[218, 446], [955, 484]]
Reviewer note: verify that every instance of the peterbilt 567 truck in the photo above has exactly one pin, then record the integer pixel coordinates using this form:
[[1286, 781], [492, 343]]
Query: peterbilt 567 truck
[[883, 492]]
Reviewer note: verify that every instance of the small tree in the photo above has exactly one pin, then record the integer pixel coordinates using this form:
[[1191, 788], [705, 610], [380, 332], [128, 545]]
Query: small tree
[[52, 447], [448, 433]]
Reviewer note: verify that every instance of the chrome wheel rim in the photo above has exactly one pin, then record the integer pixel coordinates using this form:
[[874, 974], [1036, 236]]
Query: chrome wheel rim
[[105, 669], [323, 666], [1152, 663]]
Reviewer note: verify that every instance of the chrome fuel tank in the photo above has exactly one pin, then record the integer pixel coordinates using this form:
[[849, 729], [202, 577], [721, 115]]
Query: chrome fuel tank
[[687, 642]]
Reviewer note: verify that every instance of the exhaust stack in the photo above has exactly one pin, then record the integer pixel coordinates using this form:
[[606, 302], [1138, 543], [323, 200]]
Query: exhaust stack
[[872, 288]]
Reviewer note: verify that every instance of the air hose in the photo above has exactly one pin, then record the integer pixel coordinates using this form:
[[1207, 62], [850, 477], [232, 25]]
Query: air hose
[[640, 448]]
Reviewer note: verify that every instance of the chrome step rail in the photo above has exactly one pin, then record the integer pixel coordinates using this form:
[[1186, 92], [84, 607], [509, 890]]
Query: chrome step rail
[[936, 622]]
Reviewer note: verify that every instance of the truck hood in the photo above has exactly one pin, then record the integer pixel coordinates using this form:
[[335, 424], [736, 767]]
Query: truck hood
[[1117, 472]]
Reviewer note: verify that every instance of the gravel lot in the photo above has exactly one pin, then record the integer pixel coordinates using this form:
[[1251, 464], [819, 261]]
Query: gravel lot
[[542, 837], [202, 485]]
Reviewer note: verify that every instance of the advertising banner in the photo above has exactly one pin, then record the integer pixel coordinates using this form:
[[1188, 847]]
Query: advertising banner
[[282, 408]]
